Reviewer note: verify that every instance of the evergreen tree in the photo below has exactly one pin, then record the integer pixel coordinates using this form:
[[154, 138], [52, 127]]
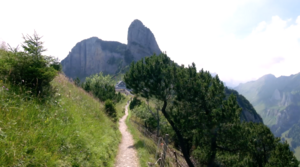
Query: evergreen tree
[[198, 99], [282, 157], [30, 68], [206, 122]]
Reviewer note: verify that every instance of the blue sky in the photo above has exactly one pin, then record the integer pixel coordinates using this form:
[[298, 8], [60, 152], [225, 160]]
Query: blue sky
[[240, 40]]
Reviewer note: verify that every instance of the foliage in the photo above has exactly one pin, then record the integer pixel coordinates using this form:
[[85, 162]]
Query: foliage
[[282, 156], [70, 129], [77, 81], [206, 122], [135, 102], [102, 87], [30, 68], [244, 104], [110, 109]]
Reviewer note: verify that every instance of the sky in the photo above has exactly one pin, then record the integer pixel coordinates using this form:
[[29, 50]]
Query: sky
[[240, 40]]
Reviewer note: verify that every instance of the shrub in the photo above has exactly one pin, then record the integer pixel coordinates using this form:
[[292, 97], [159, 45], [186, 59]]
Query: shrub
[[28, 68], [110, 109], [102, 87], [134, 103]]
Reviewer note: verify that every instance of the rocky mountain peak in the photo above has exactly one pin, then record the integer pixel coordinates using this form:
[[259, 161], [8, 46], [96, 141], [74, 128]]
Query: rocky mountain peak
[[141, 41], [94, 55], [267, 77]]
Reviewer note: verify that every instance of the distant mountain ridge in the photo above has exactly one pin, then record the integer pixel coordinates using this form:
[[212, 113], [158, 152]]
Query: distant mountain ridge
[[270, 95], [277, 100], [94, 55]]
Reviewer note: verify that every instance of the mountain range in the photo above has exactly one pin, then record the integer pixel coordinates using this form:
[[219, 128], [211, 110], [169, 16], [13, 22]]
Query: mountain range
[[277, 100]]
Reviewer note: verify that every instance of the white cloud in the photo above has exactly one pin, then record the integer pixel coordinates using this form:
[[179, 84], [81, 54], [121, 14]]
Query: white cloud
[[271, 48]]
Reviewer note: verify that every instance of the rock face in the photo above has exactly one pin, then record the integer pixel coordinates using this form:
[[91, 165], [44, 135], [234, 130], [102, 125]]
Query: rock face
[[140, 42], [94, 55]]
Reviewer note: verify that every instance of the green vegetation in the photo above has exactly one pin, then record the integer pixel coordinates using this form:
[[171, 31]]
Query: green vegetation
[[244, 104], [102, 87], [45, 120], [110, 109], [69, 129], [29, 69], [206, 123]]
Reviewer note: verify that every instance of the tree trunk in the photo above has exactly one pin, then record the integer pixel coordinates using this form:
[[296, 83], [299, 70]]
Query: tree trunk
[[157, 133], [213, 148], [185, 150]]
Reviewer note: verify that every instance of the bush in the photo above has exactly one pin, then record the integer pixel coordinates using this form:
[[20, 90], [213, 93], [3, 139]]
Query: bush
[[110, 109], [134, 103], [28, 68], [102, 87]]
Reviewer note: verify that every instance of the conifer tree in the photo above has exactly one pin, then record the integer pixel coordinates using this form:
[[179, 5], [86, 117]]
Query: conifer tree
[[206, 123]]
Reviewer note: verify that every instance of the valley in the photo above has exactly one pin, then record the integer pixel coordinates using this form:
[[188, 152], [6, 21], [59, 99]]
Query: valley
[[277, 100]]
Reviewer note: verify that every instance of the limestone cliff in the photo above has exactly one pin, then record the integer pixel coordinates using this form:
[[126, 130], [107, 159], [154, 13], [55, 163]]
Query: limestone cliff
[[140, 42], [94, 55]]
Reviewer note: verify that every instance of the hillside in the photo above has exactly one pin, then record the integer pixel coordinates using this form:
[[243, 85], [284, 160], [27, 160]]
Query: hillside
[[248, 113], [70, 129], [273, 98], [277, 100]]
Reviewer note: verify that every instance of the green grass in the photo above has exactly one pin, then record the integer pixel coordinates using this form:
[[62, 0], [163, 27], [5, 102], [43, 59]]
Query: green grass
[[145, 147], [120, 106], [68, 130]]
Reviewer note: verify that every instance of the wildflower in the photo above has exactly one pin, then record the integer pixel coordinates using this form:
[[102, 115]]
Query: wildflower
[[6, 88], [3, 86], [23, 80]]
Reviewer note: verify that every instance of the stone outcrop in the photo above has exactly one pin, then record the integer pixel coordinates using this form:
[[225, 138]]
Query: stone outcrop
[[94, 55], [140, 41]]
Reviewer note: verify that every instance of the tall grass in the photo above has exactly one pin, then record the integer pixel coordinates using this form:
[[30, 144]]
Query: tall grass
[[70, 129]]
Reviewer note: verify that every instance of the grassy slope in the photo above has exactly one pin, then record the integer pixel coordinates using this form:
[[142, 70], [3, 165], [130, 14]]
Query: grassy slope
[[65, 131]]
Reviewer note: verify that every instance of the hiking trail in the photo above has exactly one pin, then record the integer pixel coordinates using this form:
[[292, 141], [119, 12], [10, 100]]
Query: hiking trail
[[127, 155]]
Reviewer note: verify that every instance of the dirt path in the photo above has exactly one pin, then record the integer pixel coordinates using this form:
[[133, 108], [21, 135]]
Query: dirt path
[[127, 156]]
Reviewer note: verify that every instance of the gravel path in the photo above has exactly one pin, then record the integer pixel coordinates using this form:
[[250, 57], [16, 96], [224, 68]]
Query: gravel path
[[127, 156]]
